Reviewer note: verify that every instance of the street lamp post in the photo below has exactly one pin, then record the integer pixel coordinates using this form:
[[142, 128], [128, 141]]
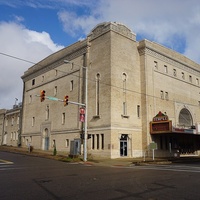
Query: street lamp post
[[86, 111]]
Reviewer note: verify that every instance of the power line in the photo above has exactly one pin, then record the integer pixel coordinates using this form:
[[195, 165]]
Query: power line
[[14, 57], [118, 87]]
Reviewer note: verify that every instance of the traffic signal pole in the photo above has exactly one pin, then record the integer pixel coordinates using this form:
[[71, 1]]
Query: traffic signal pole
[[61, 100]]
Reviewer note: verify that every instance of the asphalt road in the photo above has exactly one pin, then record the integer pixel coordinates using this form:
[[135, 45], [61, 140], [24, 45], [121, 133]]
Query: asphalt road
[[30, 178]]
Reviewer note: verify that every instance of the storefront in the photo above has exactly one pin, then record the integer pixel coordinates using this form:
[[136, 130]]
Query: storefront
[[171, 140]]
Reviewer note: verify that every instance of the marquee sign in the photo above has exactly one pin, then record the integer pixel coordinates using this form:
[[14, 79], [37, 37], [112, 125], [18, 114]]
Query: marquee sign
[[160, 117], [160, 124]]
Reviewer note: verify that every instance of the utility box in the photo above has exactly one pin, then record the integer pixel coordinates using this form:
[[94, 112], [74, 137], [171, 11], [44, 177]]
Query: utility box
[[75, 147]]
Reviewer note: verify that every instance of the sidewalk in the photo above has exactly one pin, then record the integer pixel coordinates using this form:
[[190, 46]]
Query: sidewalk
[[96, 161]]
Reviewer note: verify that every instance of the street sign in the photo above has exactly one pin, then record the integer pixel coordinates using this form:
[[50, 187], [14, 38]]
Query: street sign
[[153, 146], [82, 111]]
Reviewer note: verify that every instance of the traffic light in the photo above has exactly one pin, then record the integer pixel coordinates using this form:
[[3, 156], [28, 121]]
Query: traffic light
[[89, 136], [82, 135], [42, 95], [66, 100]]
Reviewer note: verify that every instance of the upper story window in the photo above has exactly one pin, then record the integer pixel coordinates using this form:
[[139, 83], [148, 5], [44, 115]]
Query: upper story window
[[155, 65], [97, 94], [33, 121], [12, 121], [33, 82], [183, 75], [71, 85], [17, 119], [166, 96], [166, 68], [47, 112], [138, 111], [63, 118], [6, 121], [56, 72], [161, 94], [197, 81], [30, 98], [55, 90], [174, 72], [42, 78], [190, 78], [124, 77]]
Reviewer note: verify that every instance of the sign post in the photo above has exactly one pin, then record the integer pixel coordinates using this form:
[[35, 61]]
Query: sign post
[[153, 147]]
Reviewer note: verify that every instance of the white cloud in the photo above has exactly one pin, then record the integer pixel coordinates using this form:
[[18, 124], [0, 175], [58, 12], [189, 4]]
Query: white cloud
[[172, 23], [17, 41], [74, 24]]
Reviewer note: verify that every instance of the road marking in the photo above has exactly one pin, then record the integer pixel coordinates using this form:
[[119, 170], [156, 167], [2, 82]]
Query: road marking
[[6, 169], [3, 162], [175, 168]]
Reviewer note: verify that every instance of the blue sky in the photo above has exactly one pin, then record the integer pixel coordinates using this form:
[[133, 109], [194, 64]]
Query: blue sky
[[34, 29]]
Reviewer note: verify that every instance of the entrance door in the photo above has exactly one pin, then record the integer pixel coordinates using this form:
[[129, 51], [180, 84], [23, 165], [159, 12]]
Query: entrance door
[[123, 145], [45, 139], [46, 143]]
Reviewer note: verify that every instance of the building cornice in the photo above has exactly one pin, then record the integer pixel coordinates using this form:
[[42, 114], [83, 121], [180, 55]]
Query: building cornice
[[105, 27], [55, 60], [177, 60]]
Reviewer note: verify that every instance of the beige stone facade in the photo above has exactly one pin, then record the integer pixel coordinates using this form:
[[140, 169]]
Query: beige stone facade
[[10, 121], [2, 119], [129, 82]]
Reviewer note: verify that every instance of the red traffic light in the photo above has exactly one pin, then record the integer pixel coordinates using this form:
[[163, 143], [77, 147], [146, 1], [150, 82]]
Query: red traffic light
[[66, 100], [42, 95]]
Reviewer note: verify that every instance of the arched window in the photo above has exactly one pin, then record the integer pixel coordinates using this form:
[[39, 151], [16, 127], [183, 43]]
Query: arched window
[[124, 78], [185, 118], [97, 93]]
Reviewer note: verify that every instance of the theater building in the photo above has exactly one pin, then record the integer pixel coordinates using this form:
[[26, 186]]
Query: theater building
[[139, 93]]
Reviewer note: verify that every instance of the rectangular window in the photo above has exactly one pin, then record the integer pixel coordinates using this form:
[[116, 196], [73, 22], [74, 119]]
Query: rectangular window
[[56, 72], [33, 82], [42, 78], [17, 135], [67, 143], [174, 71], [17, 120], [63, 118], [55, 90], [161, 94], [190, 78], [97, 141], [93, 141], [102, 141], [14, 136], [11, 135], [6, 121], [33, 121], [47, 112], [166, 69], [166, 96], [124, 108], [197, 81], [183, 76], [12, 121], [138, 111], [30, 98], [71, 85], [155, 65]]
